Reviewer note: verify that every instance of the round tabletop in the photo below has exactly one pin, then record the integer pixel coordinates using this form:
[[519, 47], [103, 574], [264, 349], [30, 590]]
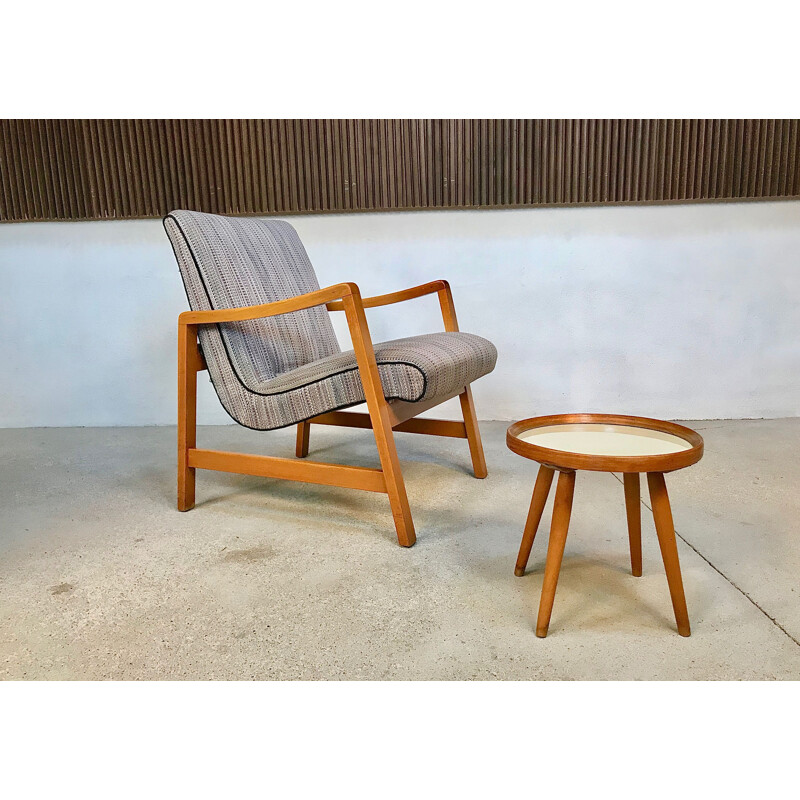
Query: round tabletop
[[605, 443]]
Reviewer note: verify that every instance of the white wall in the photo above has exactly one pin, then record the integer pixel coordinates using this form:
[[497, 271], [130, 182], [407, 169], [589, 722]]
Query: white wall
[[681, 311]]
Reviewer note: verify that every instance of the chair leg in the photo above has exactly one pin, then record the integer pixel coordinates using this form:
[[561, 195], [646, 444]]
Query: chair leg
[[473, 434], [187, 414], [541, 489], [562, 509], [633, 510], [395, 485], [379, 417], [665, 528], [303, 431]]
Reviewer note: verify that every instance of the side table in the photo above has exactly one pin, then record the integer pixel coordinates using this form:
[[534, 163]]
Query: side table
[[565, 443]]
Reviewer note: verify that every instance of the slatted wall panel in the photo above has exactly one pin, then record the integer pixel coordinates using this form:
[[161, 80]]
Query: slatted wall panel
[[118, 169]]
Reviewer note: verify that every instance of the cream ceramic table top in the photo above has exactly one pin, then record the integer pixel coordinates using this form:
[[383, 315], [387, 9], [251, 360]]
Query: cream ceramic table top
[[601, 439]]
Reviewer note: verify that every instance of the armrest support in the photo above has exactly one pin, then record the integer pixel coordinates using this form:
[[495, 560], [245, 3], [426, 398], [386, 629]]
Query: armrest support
[[441, 287], [393, 297], [320, 297]]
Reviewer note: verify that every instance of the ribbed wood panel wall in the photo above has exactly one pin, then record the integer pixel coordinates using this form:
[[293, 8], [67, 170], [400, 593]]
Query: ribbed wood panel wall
[[118, 169]]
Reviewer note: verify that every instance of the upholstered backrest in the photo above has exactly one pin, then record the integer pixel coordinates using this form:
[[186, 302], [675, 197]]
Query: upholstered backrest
[[228, 262]]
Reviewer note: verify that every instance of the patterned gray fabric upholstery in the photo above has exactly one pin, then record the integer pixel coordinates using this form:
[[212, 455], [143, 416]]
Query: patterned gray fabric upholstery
[[277, 371]]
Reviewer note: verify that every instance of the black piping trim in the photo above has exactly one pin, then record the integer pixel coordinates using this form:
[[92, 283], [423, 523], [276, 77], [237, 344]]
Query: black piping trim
[[284, 391]]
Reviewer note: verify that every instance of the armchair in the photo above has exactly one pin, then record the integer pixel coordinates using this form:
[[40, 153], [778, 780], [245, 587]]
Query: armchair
[[259, 324]]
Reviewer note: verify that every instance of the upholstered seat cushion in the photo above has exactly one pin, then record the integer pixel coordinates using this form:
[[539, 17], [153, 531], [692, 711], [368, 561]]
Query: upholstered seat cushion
[[436, 365], [414, 369]]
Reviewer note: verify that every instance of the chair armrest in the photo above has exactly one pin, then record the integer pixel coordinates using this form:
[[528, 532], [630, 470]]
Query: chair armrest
[[441, 287], [393, 297], [309, 300]]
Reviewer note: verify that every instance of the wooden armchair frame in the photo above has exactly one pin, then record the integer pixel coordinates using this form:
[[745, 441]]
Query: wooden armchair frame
[[384, 417]]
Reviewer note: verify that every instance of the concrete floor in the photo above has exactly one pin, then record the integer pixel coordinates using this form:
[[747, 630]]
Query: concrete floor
[[101, 578]]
